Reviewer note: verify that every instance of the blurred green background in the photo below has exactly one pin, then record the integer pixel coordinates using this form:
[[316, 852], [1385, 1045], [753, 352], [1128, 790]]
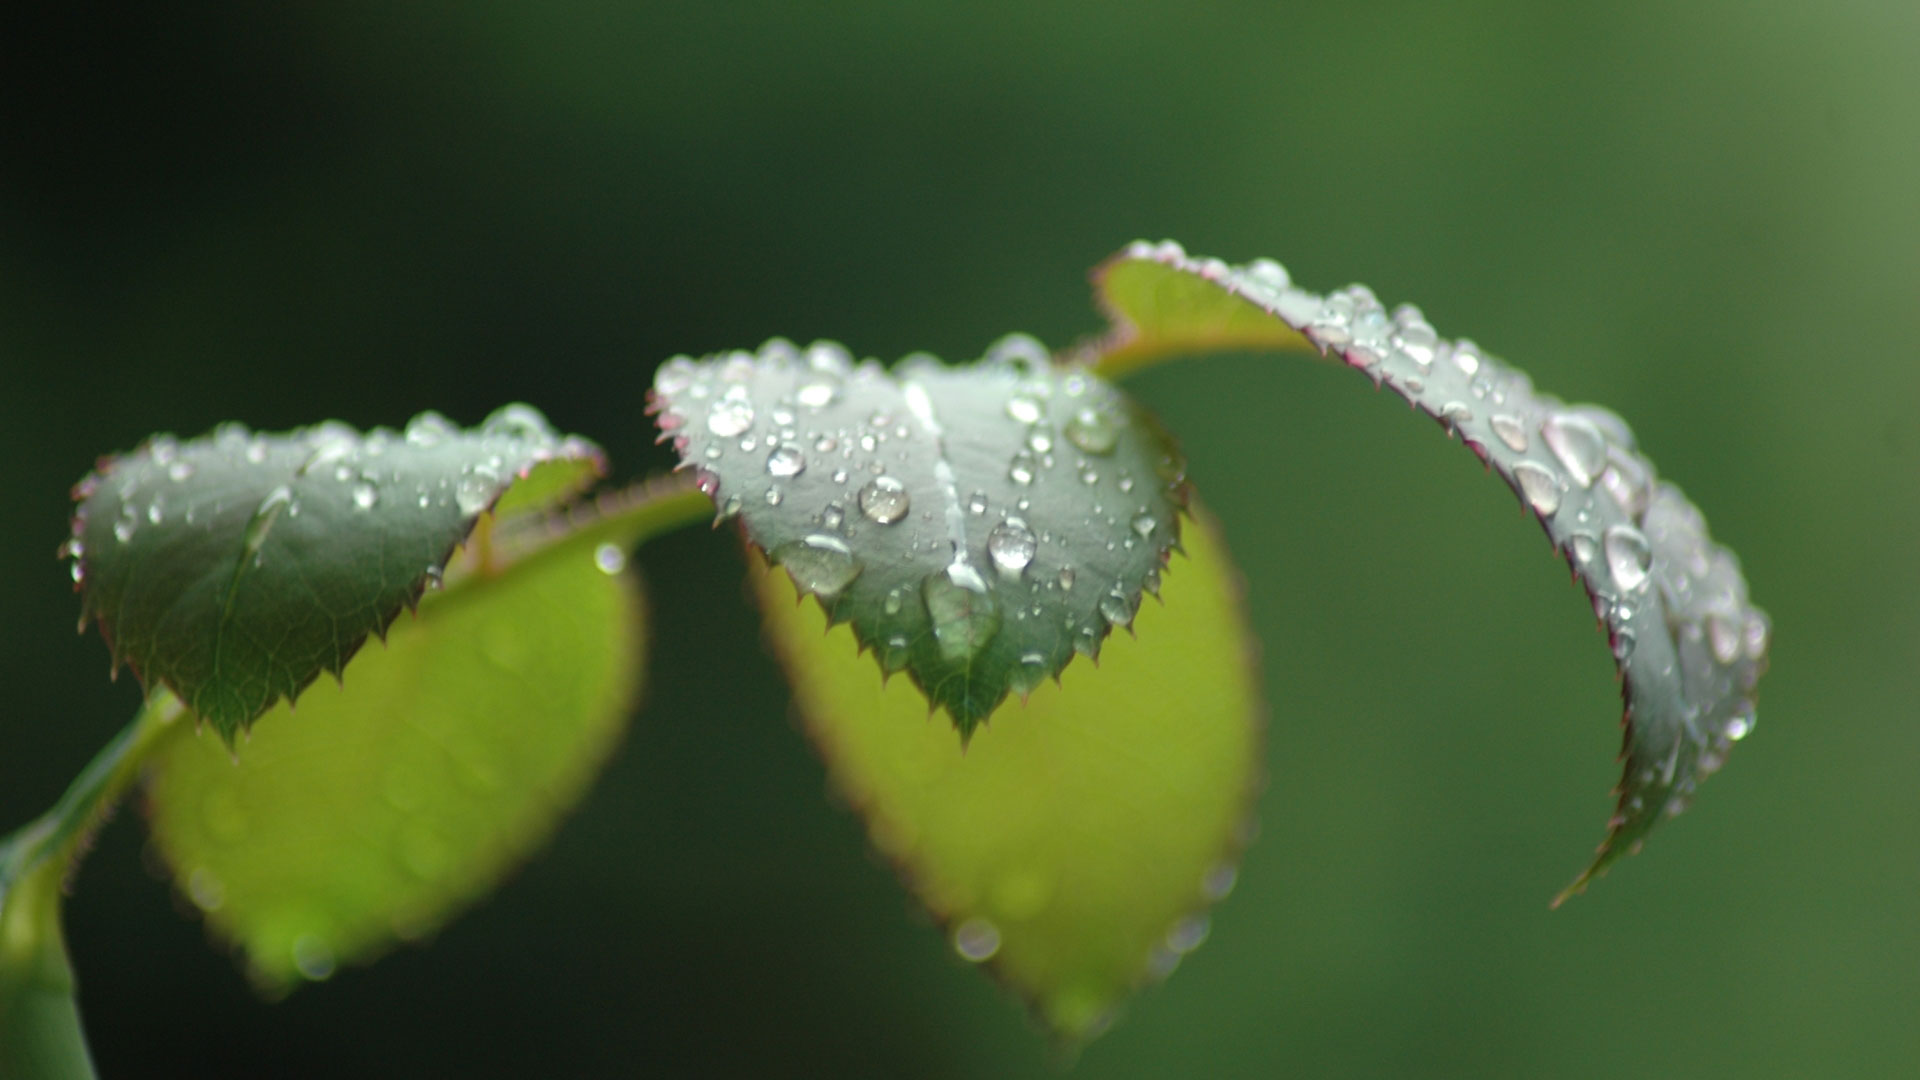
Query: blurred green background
[[1701, 214]]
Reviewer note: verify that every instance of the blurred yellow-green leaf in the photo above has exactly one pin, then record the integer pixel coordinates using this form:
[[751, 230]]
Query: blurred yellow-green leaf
[[1076, 844], [383, 806]]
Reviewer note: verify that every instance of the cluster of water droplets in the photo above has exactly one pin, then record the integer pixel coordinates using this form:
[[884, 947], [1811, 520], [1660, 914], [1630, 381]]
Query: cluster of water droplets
[[832, 463], [1638, 546]]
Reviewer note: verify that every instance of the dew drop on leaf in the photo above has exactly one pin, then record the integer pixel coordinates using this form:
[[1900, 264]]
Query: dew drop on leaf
[[976, 940], [1510, 432], [786, 461], [822, 565], [1628, 556], [1539, 486], [1012, 546], [885, 500], [1578, 444]]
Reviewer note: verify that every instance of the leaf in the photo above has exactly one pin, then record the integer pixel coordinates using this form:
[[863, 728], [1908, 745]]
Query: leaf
[[404, 795], [1076, 843], [976, 525], [237, 567], [1689, 646]]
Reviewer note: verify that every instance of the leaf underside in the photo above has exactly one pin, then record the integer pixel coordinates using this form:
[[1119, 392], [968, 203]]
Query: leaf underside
[[1076, 844], [236, 567], [405, 794], [1689, 646], [977, 526]]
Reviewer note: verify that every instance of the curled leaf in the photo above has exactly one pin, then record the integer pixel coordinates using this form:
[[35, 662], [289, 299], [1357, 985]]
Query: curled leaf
[[976, 525], [236, 567], [1689, 645]]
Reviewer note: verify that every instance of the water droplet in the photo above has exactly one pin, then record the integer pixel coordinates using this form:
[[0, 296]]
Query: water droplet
[[268, 512], [1456, 413], [427, 429], [1510, 432], [1012, 546], [816, 394], [609, 558], [312, 957], [1093, 430], [1739, 727], [1024, 409], [1089, 476], [822, 565], [1628, 556], [965, 615], [156, 510], [1626, 479], [893, 602], [472, 494], [1144, 525], [1754, 637], [1417, 341], [977, 502], [1466, 357], [885, 500], [732, 414], [1189, 933], [1584, 546], [1723, 637], [1540, 487], [774, 497], [976, 940], [209, 893], [1622, 644], [1116, 608], [1021, 471], [1219, 881], [180, 471], [786, 461], [1268, 273], [364, 497], [1578, 444]]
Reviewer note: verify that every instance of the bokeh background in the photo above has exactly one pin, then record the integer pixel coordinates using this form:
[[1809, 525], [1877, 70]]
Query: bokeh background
[[1703, 214]]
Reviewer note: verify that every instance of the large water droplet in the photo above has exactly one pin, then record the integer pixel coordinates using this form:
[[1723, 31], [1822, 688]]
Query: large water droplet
[[976, 940], [786, 460], [822, 565], [1012, 546], [965, 615], [1739, 727], [885, 500], [1093, 430], [1578, 444], [1628, 556], [1024, 409], [364, 497], [1144, 524], [1540, 487], [1117, 608], [1510, 432], [732, 414], [816, 393], [1417, 341], [1584, 546]]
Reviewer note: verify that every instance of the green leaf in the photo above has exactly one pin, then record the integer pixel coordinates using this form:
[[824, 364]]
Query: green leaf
[[1076, 844], [1689, 646], [235, 568], [976, 525], [405, 794]]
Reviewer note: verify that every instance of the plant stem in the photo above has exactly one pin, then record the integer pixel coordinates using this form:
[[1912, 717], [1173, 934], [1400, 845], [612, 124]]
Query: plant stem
[[40, 1035]]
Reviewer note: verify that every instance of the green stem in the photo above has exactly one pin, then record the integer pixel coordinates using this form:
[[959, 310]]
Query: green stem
[[40, 1035]]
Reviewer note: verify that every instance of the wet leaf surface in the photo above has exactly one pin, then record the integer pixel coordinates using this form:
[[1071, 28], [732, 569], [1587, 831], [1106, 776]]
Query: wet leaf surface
[[1689, 645], [236, 567]]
